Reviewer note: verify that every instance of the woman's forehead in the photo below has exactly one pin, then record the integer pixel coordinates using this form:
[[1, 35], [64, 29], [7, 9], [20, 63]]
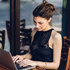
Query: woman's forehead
[[38, 18]]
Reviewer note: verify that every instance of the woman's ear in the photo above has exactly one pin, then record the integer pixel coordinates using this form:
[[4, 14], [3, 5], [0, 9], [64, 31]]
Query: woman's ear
[[49, 20]]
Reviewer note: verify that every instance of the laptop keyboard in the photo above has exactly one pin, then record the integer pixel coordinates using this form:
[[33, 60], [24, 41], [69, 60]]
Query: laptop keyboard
[[18, 67], [23, 68]]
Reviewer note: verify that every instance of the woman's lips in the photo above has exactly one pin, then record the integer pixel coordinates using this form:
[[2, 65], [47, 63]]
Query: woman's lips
[[38, 29]]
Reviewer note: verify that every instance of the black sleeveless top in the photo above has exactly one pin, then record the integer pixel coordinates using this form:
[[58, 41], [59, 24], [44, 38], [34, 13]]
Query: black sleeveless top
[[40, 49]]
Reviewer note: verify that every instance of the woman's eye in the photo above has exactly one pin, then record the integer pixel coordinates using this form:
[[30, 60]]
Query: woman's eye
[[34, 22], [40, 23]]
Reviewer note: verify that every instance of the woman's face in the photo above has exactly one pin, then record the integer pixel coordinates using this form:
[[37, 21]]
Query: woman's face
[[41, 23]]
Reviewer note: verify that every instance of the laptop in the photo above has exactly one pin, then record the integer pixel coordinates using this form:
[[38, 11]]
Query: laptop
[[6, 60]]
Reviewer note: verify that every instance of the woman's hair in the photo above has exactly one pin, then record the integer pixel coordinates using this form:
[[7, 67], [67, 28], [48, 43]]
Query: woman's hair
[[45, 10]]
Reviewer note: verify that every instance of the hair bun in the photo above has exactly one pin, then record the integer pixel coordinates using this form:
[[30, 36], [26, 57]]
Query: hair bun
[[44, 1], [52, 7], [45, 10]]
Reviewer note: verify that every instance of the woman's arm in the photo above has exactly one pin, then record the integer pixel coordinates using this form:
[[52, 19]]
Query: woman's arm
[[19, 58], [56, 54], [57, 45], [27, 56]]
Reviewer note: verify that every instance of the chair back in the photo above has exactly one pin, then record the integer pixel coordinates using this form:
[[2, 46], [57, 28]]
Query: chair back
[[66, 40], [8, 29], [25, 35], [25, 39], [22, 25], [65, 55], [2, 38]]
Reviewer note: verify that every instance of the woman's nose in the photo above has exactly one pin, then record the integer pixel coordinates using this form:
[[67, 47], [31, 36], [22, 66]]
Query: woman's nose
[[37, 25]]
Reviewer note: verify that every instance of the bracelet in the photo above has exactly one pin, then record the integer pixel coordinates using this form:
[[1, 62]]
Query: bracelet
[[45, 65]]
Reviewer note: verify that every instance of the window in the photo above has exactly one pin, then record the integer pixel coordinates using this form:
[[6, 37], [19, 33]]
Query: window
[[4, 15], [28, 6]]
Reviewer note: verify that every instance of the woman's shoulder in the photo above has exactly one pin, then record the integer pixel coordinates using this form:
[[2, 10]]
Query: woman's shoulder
[[34, 30], [56, 35], [57, 39]]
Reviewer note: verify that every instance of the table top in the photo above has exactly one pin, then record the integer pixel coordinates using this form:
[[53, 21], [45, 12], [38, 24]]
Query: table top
[[2, 67]]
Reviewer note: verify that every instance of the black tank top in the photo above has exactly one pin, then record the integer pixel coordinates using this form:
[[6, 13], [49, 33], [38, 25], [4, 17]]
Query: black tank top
[[40, 49]]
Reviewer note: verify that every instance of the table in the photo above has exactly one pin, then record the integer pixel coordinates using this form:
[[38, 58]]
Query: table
[[2, 67]]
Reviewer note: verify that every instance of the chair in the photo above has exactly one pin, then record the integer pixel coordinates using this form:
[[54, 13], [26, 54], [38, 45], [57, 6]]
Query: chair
[[66, 40], [25, 35], [25, 39], [2, 39], [22, 25], [65, 55]]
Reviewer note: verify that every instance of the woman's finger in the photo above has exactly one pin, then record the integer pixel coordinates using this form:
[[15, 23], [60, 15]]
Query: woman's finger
[[18, 61], [22, 64], [15, 58]]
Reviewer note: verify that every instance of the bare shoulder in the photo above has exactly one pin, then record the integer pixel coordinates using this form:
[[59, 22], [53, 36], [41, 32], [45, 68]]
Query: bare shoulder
[[33, 33], [56, 35], [34, 29]]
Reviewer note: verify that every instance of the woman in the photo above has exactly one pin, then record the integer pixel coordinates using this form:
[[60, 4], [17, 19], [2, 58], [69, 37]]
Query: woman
[[45, 50]]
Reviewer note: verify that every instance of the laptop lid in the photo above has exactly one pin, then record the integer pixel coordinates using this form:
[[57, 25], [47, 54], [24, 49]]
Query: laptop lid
[[6, 59]]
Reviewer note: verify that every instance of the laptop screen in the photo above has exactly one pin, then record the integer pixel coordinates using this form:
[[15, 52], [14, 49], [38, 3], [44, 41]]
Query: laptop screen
[[6, 60]]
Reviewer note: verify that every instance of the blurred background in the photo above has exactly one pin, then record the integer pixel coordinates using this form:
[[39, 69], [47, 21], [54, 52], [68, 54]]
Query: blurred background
[[26, 8]]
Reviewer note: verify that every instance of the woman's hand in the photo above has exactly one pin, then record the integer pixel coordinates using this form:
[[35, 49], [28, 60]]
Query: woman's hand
[[27, 62], [18, 58]]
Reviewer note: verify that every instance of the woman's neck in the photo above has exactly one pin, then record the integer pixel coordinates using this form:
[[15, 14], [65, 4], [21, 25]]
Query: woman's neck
[[47, 28]]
